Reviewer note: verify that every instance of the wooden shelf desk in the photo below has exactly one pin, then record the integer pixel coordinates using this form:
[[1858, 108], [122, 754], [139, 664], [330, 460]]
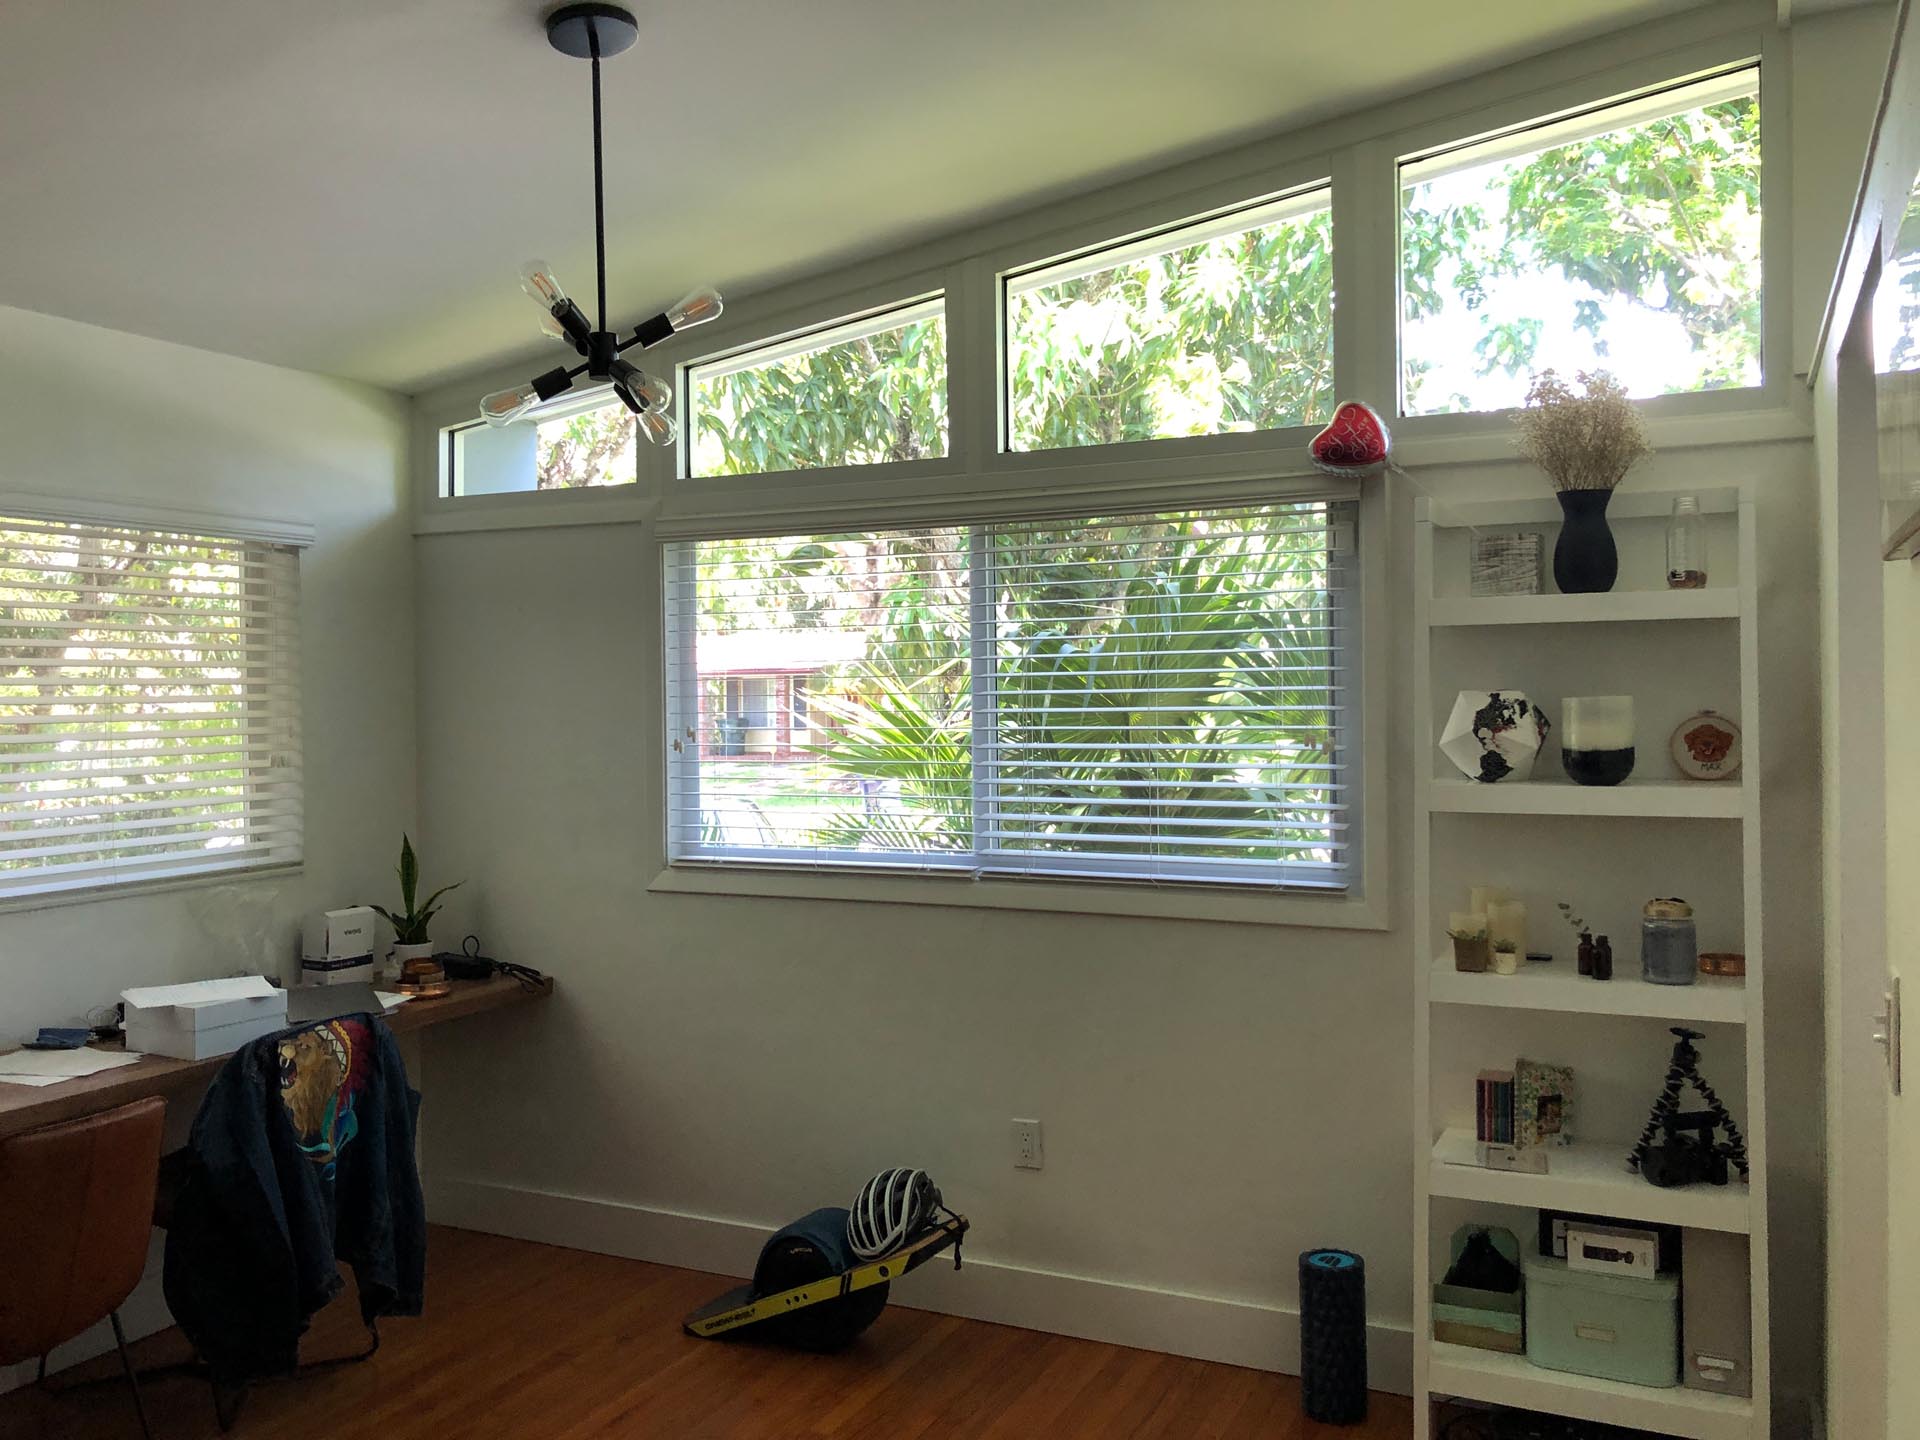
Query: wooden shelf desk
[[25, 1107]]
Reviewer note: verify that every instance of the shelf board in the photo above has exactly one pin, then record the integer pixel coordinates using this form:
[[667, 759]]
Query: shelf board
[[1497, 1379], [1617, 607], [1589, 1177], [1539, 508], [1557, 986], [1670, 799]]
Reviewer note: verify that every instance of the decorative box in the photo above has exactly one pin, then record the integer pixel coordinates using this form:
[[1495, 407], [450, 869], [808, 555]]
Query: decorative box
[[1612, 1327], [1506, 565], [1483, 1319]]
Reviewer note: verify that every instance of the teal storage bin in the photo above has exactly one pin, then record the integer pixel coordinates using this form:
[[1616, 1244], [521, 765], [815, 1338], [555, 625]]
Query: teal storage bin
[[1613, 1327]]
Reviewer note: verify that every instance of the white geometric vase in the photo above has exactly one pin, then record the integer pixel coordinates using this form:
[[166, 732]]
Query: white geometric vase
[[1494, 735]]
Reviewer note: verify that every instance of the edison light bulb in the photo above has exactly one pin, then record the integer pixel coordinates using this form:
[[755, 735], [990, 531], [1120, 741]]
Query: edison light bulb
[[658, 426], [503, 407], [695, 308], [649, 391], [536, 278]]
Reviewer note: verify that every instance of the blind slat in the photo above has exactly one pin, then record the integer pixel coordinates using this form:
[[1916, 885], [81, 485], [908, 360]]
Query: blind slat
[[149, 705]]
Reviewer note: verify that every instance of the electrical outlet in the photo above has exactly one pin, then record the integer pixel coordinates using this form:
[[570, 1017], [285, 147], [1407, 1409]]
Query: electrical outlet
[[1028, 1153]]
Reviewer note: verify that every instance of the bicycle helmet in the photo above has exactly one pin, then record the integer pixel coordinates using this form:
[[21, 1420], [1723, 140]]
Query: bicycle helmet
[[891, 1208]]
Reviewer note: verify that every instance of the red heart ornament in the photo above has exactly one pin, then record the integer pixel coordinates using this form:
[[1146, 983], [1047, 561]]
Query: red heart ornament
[[1354, 443]]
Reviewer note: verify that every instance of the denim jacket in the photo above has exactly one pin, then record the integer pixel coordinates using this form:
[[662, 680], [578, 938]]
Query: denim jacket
[[301, 1156]]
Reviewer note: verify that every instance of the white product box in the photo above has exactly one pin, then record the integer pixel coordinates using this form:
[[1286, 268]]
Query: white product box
[[340, 935], [338, 946], [204, 1018], [336, 972], [1613, 1250]]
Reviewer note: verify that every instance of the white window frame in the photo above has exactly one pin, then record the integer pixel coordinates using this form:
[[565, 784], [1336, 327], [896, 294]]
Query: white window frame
[[1248, 214], [172, 520], [804, 342], [987, 863], [561, 407], [1608, 102]]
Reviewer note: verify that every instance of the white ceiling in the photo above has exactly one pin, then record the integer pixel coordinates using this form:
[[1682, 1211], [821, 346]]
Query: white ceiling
[[350, 186]]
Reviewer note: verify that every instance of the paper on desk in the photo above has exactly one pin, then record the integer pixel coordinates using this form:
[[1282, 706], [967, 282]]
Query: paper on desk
[[50, 1067], [390, 1001], [200, 992]]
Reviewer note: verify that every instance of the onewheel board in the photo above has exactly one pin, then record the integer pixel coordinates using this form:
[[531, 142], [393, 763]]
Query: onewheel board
[[741, 1307]]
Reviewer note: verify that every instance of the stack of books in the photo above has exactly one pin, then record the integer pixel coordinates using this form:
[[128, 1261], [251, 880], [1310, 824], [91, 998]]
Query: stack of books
[[1493, 1107], [1520, 1114]]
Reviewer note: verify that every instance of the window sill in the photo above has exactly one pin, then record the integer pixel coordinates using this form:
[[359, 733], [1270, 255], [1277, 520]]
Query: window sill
[[1169, 902]]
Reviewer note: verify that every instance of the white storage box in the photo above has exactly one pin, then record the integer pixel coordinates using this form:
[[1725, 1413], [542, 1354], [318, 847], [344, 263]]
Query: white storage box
[[203, 1018]]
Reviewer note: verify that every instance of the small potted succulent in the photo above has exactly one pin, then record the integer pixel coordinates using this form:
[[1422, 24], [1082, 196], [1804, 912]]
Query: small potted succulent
[[411, 920], [1469, 936]]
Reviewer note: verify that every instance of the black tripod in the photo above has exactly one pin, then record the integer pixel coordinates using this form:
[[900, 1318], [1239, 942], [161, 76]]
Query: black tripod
[[1682, 1159]]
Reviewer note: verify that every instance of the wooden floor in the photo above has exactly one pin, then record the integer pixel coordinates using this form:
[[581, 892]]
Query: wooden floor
[[523, 1340]]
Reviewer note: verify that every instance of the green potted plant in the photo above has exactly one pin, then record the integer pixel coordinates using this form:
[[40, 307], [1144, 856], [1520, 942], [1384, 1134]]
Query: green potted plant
[[1470, 950], [410, 923]]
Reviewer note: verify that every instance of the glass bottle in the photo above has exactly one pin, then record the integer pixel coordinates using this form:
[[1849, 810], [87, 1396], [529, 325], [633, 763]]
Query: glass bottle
[[1603, 959], [1584, 956], [1686, 546]]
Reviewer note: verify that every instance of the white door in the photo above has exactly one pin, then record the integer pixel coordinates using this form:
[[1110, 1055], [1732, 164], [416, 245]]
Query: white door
[[1903, 954]]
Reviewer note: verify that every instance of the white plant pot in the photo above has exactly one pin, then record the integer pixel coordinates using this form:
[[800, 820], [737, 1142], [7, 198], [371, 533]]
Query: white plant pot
[[398, 956]]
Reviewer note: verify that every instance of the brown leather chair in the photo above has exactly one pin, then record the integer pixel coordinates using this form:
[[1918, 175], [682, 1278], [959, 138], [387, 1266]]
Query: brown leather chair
[[76, 1203]]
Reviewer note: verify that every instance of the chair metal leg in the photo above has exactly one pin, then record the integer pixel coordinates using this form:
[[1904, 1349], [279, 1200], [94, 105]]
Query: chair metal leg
[[133, 1383]]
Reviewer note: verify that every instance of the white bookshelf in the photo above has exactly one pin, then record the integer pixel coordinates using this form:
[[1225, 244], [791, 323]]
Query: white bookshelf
[[1675, 651]]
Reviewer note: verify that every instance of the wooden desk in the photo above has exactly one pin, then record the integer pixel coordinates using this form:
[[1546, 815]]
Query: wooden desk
[[23, 1107]]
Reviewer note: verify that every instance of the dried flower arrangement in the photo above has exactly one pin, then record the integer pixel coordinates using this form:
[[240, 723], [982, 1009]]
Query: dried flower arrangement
[[1579, 926], [1583, 442]]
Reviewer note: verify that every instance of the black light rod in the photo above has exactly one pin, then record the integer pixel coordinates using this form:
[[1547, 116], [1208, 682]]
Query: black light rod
[[599, 183]]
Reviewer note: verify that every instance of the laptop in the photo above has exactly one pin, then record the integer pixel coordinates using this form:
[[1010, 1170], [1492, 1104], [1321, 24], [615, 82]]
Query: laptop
[[310, 1004]]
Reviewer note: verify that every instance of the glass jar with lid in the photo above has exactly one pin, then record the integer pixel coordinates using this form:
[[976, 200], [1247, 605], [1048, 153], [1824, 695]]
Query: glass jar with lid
[[1669, 947]]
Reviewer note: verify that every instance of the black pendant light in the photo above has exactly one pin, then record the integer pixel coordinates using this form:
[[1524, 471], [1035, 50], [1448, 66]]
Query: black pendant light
[[593, 32]]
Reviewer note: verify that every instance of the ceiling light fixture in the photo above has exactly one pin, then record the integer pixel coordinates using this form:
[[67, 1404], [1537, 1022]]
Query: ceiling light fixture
[[594, 32]]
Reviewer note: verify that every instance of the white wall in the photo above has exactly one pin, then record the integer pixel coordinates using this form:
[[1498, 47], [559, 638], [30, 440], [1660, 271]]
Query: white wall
[[99, 415]]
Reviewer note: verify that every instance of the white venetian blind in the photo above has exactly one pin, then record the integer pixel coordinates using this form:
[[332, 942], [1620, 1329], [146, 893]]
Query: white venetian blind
[[149, 705], [1163, 697]]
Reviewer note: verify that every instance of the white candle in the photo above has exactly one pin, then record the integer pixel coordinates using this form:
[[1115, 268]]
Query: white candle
[[1598, 722], [1486, 896], [1507, 924]]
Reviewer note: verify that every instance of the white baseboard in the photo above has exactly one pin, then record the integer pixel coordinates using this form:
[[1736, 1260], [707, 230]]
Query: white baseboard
[[1205, 1327]]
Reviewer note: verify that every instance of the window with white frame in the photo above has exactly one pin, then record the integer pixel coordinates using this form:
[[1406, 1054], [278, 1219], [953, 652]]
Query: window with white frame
[[574, 442], [859, 392], [1624, 238], [1164, 696], [1214, 327], [149, 705]]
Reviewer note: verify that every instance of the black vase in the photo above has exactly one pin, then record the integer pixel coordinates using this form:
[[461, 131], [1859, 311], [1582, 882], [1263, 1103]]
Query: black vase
[[1584, 559]]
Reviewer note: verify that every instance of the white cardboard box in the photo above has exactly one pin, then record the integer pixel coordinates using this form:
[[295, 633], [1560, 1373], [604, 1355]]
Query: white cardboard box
[[203, 1018], [336, 972]]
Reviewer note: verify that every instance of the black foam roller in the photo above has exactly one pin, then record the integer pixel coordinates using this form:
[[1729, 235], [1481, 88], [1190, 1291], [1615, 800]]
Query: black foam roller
[[1333, 1336]]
